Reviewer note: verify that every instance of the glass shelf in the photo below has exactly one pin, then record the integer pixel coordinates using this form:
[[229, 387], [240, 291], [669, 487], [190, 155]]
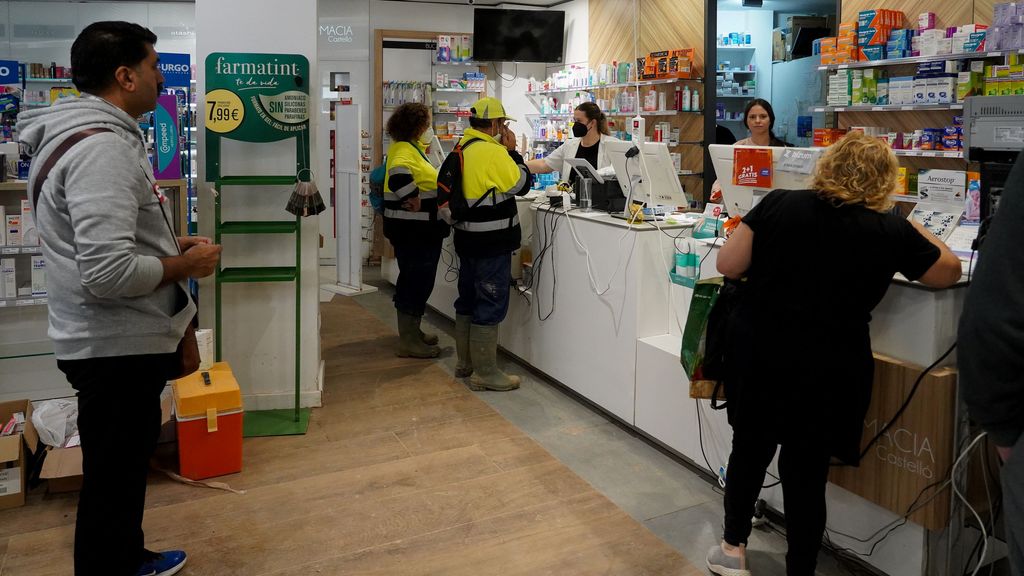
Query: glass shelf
[[26, 349], [958, 154], [588, 88], [920, 59], [888, 108], [16, 250]]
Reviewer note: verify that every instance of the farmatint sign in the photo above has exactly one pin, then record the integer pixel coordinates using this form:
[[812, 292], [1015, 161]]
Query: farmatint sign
[[255, 98]]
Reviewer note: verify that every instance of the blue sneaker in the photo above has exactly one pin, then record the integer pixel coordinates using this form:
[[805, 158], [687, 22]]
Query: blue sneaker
[[162, 563]]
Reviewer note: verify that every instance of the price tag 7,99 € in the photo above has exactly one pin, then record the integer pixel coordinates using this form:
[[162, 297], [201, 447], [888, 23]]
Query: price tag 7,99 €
[[224, 111]]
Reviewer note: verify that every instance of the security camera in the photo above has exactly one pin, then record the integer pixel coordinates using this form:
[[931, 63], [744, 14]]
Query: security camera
[[471, 2]]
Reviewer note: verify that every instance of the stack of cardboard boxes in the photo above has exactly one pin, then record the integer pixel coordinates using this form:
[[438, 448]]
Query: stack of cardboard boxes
[[666, 64]]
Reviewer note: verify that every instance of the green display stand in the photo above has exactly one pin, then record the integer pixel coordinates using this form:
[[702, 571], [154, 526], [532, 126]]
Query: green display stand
[[259, 98]]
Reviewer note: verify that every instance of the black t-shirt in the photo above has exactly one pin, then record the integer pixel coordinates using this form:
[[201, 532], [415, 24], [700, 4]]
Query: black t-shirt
[[588, 153], [801, 328]]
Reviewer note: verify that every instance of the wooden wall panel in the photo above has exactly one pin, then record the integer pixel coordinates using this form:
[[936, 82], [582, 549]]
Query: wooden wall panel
[[983, 10], [663, 25], [949, 12], [916, 452], [611, 31]]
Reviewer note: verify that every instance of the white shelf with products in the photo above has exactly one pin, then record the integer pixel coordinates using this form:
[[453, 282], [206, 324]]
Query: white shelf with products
[[23, 301], [660, 82], [958, 154], [459, 90], [467, 63], [736, 71], [744, 96], [20, 250], [744, 48], [48, 80], [888, 108], [921, 59]]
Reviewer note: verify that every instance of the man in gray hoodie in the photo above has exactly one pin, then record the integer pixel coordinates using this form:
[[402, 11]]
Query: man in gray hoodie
[[118, 300]]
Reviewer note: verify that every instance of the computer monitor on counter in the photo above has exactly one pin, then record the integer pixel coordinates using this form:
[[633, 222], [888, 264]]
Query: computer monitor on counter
[[654, 180], [792, 169]]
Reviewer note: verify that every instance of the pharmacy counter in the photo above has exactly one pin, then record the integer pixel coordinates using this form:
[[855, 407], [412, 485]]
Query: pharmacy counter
[[560, 325], [613, 333]]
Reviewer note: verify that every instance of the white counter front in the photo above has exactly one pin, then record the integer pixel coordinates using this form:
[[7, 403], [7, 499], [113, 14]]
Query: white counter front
[[620, 349]]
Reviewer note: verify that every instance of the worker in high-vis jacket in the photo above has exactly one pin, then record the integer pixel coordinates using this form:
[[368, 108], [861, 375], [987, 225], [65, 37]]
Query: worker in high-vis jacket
[[493, 174], [412, 225]]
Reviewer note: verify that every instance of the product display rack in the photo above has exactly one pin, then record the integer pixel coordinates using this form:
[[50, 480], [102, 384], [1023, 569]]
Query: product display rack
[[912, 156], [728, 99], [588, 88], [888, 108], [921, 59], [260, 274]]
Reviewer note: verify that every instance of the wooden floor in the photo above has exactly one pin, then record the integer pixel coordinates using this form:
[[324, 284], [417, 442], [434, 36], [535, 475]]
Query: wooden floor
[[403, 471]]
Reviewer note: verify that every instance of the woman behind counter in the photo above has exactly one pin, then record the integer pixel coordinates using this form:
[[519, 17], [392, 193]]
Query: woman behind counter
[[590, 131], [759, 118], [412, 225], [799, 363]]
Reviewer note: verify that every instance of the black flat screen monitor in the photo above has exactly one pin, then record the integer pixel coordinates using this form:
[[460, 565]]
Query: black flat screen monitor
[[518, 35]]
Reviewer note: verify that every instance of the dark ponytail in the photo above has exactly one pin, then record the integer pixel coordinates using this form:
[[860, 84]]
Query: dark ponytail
[[593, 112]]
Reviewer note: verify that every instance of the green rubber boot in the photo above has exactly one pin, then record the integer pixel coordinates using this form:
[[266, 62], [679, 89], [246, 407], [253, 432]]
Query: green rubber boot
[[464, 368], [410, 344], [426, 337], [483, 345]]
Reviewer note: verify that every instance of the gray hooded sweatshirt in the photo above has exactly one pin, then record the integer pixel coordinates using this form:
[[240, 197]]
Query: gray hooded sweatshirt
[[103, 229]]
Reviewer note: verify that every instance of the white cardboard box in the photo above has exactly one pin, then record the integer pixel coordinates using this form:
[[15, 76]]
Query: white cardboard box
[[3, 218], [29, 233], [12, 229], [8, 282], [38, 276]]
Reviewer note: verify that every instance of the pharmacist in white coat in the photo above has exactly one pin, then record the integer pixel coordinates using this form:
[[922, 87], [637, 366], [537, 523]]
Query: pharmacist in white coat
[[590, 131]]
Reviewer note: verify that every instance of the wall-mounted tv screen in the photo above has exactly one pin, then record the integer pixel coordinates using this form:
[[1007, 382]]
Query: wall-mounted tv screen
[[518, 35]]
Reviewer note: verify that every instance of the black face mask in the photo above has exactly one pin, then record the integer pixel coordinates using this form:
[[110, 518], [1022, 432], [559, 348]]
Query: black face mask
[[579, 129]]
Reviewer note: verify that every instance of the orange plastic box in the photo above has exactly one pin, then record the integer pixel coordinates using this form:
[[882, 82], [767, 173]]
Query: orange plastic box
[[208, 411]]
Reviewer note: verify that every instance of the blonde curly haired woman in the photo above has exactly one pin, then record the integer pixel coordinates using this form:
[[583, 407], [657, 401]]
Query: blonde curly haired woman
[[816, 262]]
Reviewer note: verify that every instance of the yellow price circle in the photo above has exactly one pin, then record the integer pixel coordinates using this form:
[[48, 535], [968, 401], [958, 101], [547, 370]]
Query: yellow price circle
[[224, 111]]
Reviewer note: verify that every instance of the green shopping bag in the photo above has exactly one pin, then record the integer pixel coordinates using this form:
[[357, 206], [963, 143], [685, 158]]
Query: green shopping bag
[[694, 347]]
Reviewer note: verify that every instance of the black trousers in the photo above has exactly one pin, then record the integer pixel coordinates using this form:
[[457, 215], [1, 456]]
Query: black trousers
[[803, 467], [417, 269], [119, 422]]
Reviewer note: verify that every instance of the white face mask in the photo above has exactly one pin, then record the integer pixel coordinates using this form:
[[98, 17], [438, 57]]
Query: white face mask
[[427, 137]]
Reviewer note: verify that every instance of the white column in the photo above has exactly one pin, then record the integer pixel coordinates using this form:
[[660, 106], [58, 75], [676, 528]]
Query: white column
[[259, 319]]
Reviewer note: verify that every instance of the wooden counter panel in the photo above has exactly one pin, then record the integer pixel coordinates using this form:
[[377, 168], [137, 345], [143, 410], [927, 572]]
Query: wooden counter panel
[[916, 452]]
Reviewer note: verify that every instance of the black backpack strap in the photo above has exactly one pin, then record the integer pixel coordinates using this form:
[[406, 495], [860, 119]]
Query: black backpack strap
[[56, 155]]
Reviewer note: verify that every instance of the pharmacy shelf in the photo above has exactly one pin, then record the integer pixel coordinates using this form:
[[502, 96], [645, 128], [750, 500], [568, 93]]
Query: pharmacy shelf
[[690, 173], [14, 186], [26, 349], [920, 59], [16, 250], [736, 71], [734, 48], [888, 108], [661, 82], [21, 302], [552, 116], [744, 96], [930, 153], [655, 113], [48, 80], [436, 63], [459, 90]]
